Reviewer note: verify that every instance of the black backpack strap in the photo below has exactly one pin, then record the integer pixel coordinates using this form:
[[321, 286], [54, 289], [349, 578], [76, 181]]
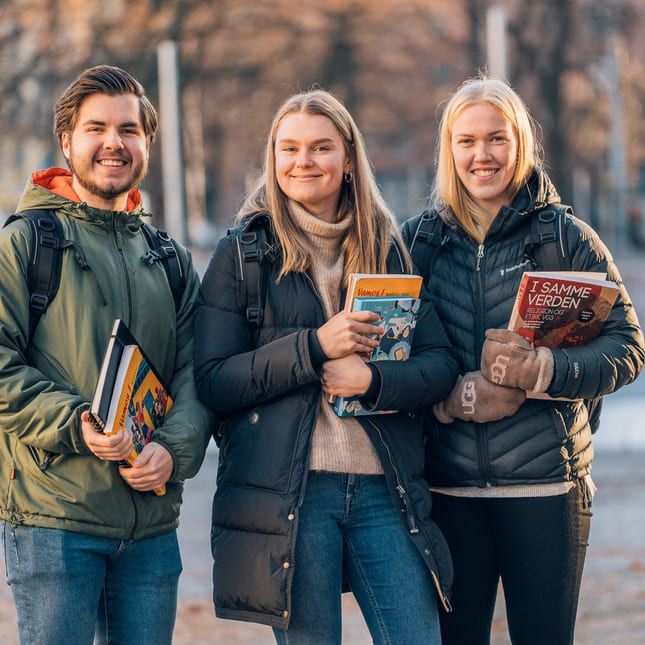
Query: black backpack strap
[[428, 239], [547, 243], [251, 249], [45, 260], [162, 249]]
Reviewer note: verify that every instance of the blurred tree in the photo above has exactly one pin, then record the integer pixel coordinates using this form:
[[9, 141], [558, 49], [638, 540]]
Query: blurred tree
[[391, 62]]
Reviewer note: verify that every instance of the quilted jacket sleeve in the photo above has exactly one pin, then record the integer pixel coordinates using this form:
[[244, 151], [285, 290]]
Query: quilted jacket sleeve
[[428, 375], [230, 372]]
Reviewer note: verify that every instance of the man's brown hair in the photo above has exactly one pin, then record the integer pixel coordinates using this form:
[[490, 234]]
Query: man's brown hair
[[103, 79]]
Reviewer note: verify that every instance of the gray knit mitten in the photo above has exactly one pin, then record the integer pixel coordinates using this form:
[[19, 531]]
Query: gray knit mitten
[[509, 359], [475, 399]]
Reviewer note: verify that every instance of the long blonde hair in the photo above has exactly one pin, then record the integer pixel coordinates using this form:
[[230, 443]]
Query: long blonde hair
[[448, 189], [368, 240]]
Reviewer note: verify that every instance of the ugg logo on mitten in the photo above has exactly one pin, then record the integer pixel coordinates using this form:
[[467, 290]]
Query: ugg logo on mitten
[[498, 369], [468, 398]]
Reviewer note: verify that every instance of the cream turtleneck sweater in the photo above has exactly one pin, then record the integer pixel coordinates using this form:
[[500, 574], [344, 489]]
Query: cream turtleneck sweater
[[339, 444]]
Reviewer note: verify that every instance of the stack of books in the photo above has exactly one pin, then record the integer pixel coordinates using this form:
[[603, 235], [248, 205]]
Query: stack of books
[[129, 393]]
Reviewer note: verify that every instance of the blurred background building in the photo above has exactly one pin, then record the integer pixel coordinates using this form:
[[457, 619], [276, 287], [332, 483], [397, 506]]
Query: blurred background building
[[579, 64]]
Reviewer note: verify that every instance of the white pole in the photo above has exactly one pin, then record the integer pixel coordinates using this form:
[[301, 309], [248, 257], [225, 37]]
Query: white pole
[[617, 161], [172, 157], [496, 42]]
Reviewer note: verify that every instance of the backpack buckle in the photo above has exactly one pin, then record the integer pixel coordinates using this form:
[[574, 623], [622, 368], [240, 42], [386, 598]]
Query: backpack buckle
[[254, 315], [38, 302]]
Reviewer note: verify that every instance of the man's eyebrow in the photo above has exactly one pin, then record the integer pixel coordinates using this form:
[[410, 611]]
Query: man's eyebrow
[[126, 124]]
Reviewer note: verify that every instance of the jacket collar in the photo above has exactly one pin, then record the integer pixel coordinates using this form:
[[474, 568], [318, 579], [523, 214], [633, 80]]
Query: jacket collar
[[51, 189]]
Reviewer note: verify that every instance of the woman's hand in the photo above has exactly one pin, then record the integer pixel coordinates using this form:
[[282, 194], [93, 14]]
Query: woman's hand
[[349, 333], [347, 376]]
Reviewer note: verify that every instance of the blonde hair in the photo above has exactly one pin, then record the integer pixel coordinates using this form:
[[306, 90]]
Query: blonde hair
[[448, 189], [368, 240]]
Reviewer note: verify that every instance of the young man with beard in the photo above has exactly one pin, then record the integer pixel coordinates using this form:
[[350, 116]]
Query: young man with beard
[[89, 550]]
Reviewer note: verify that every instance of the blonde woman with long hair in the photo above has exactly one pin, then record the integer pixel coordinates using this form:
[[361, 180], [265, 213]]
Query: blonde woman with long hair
[[306, 501]]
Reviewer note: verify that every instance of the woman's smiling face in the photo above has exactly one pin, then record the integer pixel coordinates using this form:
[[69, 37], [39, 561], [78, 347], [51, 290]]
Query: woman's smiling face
[[484, 149], [310, 162]]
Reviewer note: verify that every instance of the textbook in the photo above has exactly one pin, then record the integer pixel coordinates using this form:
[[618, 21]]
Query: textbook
[[562, 308], [129, 393], [381, 285], [395, 299], [398, 318]]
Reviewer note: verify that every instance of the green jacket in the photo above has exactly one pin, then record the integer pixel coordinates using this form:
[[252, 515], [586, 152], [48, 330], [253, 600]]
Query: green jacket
[[48, 477]]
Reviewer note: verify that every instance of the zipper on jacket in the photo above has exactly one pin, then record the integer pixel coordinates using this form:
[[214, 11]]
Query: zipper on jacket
[[442, 596], [135, 523], [403, 495], [45, 461], [411, 521], [482, 434], [480, 255], [118, 242]]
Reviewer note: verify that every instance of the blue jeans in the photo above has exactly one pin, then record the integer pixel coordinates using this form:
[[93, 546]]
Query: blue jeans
[[66, 586], [349, 529]]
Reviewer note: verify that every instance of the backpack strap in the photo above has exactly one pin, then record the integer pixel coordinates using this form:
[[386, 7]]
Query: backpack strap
[[428, 239], [547, 243], [163, 249], [45, 260], [251, 249]]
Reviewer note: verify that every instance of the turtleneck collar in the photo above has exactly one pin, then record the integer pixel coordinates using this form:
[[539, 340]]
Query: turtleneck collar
[[316, 227]]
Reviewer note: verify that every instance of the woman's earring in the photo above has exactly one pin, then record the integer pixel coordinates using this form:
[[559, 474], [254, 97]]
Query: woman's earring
[[348, 177]]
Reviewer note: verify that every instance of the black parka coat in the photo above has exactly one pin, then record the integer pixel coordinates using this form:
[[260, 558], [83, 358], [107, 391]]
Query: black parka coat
[[473, 287], [264, 384]]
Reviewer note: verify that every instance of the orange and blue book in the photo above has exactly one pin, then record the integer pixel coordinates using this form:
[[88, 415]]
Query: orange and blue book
[[129, 393], [395, 298]]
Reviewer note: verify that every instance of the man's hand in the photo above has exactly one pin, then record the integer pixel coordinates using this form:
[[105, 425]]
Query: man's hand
[[509, 359], [475, 399], [107, 447], [151, 469]]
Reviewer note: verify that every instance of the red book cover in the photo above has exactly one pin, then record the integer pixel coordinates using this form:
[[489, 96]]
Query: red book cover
[[562, 309]]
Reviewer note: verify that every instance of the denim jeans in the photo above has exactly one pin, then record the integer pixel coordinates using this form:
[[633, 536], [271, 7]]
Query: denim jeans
[[536, 545], [68, 586], [349, 529]]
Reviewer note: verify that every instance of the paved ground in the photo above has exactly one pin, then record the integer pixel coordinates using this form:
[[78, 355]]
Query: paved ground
[[612, 604]]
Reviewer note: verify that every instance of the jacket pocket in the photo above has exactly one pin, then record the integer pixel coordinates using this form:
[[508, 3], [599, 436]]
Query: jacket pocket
[[261, 445], [42, 458]]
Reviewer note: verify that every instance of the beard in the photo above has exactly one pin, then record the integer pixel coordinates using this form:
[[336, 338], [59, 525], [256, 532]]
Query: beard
[[106, 190]]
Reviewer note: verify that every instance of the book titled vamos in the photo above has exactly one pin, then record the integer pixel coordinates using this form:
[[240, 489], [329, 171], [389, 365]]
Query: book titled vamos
[[562, 309]]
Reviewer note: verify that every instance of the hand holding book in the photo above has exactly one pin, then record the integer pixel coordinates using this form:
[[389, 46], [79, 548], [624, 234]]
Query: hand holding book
[[387, 305], [130, 395], [349, 332], [552, 309], [509, 359]]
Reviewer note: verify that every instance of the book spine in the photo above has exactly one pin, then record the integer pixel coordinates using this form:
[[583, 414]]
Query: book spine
[[513, 323], [96, 422]]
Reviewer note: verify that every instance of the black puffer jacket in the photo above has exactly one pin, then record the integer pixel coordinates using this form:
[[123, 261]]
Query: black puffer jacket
[[473, 287], [264, 382]]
